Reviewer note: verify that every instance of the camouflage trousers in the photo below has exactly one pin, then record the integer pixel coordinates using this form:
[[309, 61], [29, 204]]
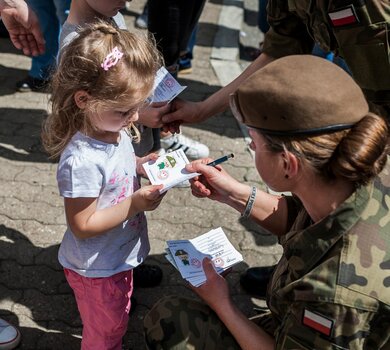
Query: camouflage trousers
[[177, 323], [184, 324]]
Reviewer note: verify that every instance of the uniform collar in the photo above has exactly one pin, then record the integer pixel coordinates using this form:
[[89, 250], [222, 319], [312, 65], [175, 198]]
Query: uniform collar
[[305, 245]]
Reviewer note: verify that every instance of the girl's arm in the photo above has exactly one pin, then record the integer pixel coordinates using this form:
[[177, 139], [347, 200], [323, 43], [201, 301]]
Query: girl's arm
[[215, 292], [86, 221], [268, 210]]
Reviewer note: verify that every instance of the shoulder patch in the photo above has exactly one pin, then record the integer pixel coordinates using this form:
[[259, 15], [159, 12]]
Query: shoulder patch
[[344, 16], [317, 322]]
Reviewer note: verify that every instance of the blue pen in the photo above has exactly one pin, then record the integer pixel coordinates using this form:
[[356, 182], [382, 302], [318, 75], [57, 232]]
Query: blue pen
[[221, 160]]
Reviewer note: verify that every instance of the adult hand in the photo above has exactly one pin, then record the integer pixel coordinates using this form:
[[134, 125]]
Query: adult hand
[[147, 198], [151, 115], [183, 112], [215, 291], [23, 27], [215, 183]]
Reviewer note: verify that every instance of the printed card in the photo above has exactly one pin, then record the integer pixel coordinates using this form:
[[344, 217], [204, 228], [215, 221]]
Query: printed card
[[166, 87], [187, 255], [168, 170]]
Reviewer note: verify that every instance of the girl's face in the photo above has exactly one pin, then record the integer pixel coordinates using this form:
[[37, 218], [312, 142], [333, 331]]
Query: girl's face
[[114, 120], [106, 8], [269, 164]]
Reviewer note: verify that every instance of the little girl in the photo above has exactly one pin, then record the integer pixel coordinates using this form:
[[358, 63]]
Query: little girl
[[103, 78]]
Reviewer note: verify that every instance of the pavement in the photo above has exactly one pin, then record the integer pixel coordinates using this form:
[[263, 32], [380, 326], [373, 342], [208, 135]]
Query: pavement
[[34, 294]]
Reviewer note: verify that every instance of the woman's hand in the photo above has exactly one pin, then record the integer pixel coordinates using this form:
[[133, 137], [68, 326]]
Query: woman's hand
[[215, 183], [215, 291], [183, 111], [151, 115], [142, 160]]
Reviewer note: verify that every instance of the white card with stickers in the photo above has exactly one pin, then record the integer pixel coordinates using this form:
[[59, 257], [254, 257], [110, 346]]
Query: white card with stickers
[[187, 255], [168, 170]]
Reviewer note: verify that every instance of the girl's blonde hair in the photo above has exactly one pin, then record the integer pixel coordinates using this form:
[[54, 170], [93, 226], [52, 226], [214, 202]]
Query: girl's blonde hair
[[126, 84], [357, 154]]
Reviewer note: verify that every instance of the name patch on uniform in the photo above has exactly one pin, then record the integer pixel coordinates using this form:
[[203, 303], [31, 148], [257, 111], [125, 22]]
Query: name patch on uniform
[[318, 322], [343, 16]]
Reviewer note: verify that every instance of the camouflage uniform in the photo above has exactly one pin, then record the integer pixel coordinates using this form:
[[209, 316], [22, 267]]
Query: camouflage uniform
[[362, 38], [337, 270]]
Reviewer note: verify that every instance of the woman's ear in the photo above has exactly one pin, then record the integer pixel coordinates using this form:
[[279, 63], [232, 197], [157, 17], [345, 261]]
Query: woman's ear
[[81, 98], [290, 164]]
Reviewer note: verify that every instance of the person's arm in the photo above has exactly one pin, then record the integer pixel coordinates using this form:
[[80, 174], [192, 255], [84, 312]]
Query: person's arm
[[86, 221], [23, 26], [151, 115], [269, 211], [215, 292], [194, 112]]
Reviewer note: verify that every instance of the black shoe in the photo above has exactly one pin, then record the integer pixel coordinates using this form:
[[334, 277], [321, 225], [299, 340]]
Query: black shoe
[[255, 280], [146, 276], [31, 84]]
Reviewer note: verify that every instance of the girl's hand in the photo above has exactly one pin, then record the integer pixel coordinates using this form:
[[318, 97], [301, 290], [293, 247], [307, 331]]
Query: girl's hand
[[215, 291], [141, 160], [215, 183], [147, 198]]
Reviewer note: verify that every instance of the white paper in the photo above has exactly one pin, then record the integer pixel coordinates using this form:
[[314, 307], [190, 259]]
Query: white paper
[[187, 255], [168, 170], [166, 87]]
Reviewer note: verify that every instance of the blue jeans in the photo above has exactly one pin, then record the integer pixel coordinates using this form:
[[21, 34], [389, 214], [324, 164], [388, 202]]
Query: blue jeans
[[51, 14]]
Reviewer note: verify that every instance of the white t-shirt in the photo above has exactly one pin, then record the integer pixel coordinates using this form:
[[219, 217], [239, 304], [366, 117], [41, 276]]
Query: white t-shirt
[[95, 169]]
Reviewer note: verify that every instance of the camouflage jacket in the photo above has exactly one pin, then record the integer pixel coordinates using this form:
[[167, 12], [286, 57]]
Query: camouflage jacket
[[358, 30], [331, 288]]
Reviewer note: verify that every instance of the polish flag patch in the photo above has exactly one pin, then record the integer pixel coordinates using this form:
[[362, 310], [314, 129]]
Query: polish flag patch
[[343, 17], [318, 322]]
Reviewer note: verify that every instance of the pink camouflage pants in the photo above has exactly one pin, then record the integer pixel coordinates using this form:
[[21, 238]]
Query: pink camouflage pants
[[104, 305]]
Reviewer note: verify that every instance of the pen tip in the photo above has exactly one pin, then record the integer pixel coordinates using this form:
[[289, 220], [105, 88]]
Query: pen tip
[[231, 155]]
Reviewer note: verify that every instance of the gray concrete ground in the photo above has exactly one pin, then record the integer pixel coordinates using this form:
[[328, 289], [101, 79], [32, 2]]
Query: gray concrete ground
[[33, 292]]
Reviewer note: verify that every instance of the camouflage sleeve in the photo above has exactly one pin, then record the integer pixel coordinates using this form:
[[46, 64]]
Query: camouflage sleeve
[[332, 326], [288, 34], [365, 47]]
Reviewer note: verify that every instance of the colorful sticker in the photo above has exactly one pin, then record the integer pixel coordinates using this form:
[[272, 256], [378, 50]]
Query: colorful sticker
[[183, 256]]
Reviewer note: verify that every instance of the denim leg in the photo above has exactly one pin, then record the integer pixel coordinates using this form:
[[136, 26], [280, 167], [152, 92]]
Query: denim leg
[[192, 42], [62, 10], [50, 25]]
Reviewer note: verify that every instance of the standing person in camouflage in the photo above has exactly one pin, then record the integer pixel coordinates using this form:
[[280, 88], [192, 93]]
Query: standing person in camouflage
[[312, 133], [357, 30]]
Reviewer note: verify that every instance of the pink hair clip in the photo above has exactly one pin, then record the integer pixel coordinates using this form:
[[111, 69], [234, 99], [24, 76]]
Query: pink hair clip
[[112, 58]]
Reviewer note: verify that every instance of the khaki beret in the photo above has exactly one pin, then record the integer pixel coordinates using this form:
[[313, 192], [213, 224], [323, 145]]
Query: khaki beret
[[299, 95]]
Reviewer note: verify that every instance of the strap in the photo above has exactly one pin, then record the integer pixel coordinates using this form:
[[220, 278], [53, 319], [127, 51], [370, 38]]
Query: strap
[[249, 203]]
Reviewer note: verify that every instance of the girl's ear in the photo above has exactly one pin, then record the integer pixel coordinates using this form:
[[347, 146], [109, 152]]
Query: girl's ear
[[81, 98]]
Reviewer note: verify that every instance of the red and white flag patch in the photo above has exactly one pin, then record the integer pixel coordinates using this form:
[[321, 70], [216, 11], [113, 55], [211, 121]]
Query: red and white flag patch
[[343, 16], [318, 322]]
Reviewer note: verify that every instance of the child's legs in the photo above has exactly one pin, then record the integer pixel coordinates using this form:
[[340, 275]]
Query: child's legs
[[104, 305]]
